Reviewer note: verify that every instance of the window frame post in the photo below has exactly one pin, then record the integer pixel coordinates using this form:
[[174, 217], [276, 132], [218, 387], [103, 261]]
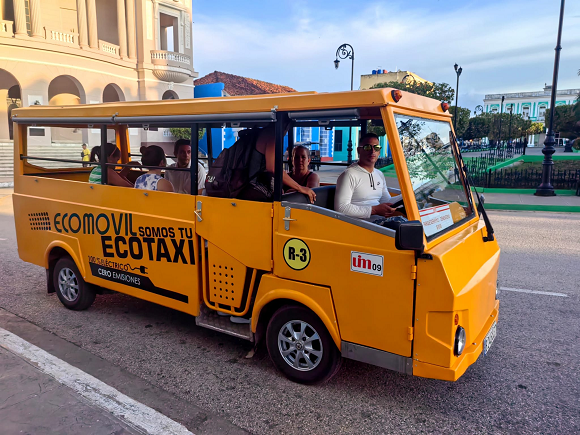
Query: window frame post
[[103, 156], [193, 168]]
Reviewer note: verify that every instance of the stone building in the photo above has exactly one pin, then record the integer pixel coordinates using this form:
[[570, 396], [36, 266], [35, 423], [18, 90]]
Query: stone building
[[531, 105], [384, 76], [56, 52]]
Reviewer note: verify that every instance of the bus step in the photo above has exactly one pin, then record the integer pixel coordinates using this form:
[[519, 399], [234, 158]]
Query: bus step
[[210, 319]]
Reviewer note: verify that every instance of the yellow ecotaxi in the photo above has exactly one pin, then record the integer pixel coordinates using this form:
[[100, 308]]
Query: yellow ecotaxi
[[417, 294]]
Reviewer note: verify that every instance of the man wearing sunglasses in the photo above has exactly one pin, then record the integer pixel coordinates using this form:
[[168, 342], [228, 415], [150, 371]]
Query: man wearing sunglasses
[[361, 190]]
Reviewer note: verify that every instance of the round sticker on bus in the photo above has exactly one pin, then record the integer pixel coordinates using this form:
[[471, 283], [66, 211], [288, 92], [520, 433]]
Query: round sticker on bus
[[296, 254]]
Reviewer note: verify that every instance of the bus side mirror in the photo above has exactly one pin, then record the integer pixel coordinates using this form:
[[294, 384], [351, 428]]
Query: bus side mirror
[[409, 236]]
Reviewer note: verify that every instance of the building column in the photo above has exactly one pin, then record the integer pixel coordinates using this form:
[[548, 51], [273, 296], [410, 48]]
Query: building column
[[20, 18], [35, 21], [156, 42], [82, 20], [132, 47], [122, 28], [92, 24]]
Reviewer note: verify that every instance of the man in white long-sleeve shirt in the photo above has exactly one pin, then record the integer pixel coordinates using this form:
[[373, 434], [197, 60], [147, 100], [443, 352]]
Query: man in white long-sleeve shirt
[[361, 190]]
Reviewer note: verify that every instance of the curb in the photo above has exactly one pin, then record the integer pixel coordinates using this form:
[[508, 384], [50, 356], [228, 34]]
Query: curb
[[533, 207]]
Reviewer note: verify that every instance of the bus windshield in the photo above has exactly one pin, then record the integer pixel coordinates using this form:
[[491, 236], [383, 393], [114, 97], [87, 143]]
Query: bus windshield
[[438, 186]]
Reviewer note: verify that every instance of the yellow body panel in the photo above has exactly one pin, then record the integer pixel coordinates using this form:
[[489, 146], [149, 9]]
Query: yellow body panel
[[241, 228], [317, 298], [460, 279], [406, 310], [373, 311], [118, 230]]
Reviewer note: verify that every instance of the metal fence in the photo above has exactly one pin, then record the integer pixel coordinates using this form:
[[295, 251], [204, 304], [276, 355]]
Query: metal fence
[[526, 178], [479, 165]]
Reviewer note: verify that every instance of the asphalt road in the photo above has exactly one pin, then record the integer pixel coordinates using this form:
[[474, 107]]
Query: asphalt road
[[528, 383]]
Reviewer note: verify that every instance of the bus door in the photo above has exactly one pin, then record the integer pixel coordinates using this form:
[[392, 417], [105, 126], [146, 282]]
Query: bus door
[[237, 236]]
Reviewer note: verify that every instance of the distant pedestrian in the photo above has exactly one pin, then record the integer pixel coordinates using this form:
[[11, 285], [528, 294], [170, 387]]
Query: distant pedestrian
[[85, 155]]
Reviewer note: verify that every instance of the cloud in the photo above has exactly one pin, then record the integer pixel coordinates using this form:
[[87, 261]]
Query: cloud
[[502, 47]]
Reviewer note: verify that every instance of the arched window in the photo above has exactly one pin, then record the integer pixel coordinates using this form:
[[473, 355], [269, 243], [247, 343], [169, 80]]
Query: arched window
[[170, 95]]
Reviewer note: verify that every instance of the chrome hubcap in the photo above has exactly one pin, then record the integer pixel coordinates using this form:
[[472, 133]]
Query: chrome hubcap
[[300, 345], [68, 284]]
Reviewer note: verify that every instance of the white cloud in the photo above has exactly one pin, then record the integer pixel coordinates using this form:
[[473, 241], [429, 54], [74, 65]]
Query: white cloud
[[501, 47]]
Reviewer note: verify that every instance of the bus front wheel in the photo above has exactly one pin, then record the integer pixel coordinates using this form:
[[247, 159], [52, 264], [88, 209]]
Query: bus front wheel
[[71, 288], [301, 347]]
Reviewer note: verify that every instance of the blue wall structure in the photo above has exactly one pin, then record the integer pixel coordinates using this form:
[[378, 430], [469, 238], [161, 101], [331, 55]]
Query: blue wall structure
[[221, 138], [209, 90]]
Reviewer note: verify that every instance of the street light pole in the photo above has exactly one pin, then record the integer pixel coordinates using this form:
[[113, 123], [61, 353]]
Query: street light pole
[[500, 115], [510, 128], [345, 51], [458, 71], [546, 188]]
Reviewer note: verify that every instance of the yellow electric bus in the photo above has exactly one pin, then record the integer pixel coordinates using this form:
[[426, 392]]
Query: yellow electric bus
[[312, 283]]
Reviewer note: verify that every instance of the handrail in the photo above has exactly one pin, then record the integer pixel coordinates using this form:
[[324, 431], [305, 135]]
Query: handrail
[[160, 119], [121, 165]]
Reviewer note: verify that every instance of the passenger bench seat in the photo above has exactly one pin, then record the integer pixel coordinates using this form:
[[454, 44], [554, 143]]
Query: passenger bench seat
[[324, 197]]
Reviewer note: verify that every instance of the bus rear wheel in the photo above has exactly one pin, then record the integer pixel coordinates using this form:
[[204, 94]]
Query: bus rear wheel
[[301, 347], [71, 288]]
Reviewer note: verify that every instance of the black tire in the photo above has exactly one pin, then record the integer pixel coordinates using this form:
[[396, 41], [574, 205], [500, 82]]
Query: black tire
[[324, 367], [77, 299]]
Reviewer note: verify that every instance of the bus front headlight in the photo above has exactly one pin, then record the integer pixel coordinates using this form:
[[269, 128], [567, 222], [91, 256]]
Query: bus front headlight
[[460, 339]]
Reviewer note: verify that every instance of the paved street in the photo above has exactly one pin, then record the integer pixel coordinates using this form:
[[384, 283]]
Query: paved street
[[528, 383]]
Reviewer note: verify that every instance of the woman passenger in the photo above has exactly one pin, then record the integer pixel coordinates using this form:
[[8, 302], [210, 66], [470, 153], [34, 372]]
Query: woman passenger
[[301, 172], [153, 156], [113, 177]]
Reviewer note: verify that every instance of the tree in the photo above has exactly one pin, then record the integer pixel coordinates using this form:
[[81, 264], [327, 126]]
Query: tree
[[566, 120], [439, 91], [185, 133], [463, 115], [478, 127], [537, 128], [487, 125]]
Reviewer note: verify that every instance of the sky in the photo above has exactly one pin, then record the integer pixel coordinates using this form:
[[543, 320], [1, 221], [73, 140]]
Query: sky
[[502, 46]]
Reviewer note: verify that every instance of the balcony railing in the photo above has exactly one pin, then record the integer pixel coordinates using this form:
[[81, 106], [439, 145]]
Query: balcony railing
[[6, 28], [60, 37], [170, 58], [108, 48]]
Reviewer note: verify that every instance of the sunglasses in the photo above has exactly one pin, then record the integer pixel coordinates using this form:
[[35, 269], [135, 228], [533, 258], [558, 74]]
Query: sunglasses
[[369, 147]]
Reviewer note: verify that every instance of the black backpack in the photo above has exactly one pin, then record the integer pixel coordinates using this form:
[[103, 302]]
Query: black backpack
[[236, 166]]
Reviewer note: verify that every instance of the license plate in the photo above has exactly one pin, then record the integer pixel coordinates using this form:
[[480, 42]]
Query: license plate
[[488, 340]]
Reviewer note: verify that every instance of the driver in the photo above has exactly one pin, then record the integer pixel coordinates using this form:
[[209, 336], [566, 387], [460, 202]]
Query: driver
[[361, 190]]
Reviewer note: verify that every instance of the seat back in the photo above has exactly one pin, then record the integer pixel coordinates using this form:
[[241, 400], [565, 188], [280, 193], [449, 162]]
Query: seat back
[[324, 197]]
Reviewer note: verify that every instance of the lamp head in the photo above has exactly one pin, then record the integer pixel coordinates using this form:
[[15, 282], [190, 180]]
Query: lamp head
[[455, 66], [336, 63], [459, 71]]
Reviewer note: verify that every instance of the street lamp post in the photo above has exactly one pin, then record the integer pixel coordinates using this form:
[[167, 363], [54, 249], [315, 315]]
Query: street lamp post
[[458, 71], [500, 115], [510, 127], [345, 51], [546, 188]]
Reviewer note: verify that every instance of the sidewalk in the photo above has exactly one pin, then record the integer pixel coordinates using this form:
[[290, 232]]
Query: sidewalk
[[33, 402], [527, 201], [6, 192]]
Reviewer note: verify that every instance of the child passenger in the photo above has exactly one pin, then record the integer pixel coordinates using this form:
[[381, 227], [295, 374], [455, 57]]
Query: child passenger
[[153, 156]]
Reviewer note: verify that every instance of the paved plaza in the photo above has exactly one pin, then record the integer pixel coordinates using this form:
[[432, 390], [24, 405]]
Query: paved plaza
[[204, 381]]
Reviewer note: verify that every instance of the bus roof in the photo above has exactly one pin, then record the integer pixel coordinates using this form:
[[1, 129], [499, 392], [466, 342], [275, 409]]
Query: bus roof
[[267, 103]]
